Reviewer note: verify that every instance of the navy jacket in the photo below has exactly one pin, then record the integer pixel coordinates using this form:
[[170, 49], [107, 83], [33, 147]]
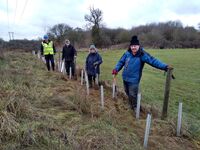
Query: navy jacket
[[93, 62], [68, 53], [133, 65]]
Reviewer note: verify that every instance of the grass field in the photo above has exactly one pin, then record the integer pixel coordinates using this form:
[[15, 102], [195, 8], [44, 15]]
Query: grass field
[[45, 110], [185, 88]]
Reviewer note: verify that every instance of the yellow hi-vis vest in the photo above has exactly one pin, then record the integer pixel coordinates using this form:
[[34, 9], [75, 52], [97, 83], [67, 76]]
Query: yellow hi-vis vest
[[48, 48]]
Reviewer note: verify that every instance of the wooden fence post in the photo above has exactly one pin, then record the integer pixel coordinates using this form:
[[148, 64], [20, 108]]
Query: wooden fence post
[[166, 94]]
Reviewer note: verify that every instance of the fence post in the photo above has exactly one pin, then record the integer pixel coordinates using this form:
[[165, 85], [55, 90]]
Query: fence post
[[166, 93]]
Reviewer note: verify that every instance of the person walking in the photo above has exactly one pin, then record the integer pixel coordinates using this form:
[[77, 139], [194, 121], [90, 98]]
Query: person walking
[[48, 51], [133, 61]]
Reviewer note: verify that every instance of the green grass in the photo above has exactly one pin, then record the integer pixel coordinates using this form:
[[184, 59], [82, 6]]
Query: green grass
[[185, 88]]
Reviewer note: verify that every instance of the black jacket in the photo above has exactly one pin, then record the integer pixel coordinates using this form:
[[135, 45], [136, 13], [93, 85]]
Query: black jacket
[[68, 53]]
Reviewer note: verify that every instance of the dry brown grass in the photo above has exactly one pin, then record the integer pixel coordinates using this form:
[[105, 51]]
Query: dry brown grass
[[21, 108], [8, 126]]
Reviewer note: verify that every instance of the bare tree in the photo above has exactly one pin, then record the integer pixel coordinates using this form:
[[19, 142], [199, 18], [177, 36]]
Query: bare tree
[[59, 32], [95, 18]]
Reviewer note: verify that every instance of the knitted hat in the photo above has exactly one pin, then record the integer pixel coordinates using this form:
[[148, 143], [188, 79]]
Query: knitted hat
[[92, 47], [134, 40]]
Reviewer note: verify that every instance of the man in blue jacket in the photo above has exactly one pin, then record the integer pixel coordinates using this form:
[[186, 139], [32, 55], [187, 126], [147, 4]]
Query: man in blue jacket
[[133, 62]]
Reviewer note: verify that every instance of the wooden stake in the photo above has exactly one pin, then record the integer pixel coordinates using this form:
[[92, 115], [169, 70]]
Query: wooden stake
[[166, 94]]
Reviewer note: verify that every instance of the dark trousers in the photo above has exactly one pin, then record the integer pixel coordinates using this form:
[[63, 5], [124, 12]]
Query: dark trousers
[[91, 80], [69, 64], [131, 91], [49, 58]]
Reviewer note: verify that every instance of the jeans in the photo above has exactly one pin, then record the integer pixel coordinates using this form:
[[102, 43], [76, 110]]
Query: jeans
[[131, 91], [49, 58]]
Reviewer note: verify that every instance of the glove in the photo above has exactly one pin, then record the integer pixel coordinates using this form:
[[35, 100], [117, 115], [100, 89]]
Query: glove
[[114, 72]]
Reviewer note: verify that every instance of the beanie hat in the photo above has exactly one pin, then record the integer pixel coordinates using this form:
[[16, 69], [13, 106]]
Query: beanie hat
[[92, 47], [134, 40]]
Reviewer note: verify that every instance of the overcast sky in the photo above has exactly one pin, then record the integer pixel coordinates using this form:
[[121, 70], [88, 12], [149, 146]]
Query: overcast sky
[[31, 18]]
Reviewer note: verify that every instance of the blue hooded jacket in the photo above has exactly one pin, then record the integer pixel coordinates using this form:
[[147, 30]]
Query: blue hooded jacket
[[93, 62], [133, 65]]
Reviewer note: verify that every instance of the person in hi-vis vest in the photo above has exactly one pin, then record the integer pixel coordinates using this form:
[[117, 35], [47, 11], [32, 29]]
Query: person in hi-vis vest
[[48, 51]]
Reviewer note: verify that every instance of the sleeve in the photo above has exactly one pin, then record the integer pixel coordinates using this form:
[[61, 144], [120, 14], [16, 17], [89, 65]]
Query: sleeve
[[147, 58], [99, 60], [121, 63], [41, 49]]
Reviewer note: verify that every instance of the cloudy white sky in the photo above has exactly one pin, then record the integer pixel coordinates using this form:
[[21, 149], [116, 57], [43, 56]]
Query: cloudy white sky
[[31, 18]]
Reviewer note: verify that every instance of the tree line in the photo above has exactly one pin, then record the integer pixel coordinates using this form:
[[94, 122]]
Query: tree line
[[171, 34]]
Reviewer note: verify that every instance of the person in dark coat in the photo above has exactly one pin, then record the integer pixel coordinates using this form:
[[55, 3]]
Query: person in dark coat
[[69, 55], [48, 51], [93, 62], [133, 61]]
